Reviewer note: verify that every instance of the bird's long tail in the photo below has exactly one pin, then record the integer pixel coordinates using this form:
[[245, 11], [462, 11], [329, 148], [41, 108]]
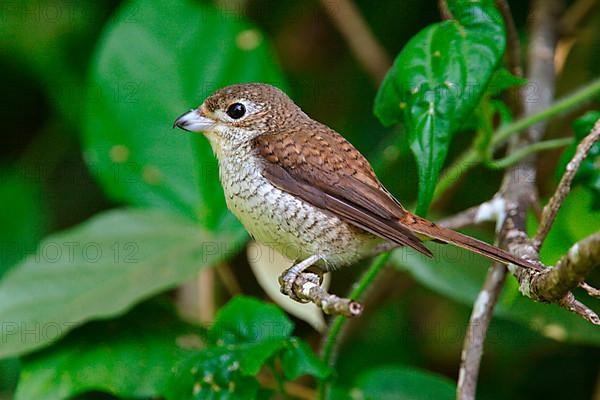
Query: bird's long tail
[[430, 229]]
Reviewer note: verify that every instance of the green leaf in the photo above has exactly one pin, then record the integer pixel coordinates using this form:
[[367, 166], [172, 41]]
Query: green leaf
[[436, 82], [24, 225], [247, 320], [212, 374], [154, 61], [402, 383], [501, 80], [99, 269], [588, 174], [298, 359], [129, 357], [247, 334]]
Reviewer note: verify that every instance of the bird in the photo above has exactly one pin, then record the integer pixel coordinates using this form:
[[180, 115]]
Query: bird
[[300, 187]]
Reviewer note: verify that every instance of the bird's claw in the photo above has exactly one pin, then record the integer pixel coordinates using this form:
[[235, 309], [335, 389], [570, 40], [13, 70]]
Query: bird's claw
[[287, 280], [290, 286]]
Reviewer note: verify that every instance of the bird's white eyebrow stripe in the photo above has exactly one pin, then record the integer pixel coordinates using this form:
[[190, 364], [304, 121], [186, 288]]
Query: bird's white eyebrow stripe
[[251, 107]]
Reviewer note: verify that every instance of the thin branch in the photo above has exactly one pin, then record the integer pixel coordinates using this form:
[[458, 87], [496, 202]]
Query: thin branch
[[477, 331], [569, 272], [541, 54], [574, 16], [196, 298], [513, 47], [569, 302], [517, 194], [445, 13], [489, 211], [362, 42], [307, 286], [564, 186], [513, 56], [228, 279], [590, 290]]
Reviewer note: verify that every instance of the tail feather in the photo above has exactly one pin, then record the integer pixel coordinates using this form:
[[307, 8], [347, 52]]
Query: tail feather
[[428, 228]]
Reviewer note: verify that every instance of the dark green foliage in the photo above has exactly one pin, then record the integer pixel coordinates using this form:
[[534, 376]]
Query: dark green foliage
[[106, 209], [246, 336]]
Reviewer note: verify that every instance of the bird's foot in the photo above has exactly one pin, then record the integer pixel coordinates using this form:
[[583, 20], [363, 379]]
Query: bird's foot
[[305, 286], [287, 279]]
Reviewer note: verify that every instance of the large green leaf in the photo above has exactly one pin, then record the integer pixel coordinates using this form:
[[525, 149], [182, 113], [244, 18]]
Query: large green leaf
[[402, 383], [156, 60], [437, 80], [129, 357], [459, 275], [99, 269]]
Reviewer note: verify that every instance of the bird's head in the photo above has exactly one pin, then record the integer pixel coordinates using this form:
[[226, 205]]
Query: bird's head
[[238, 113]]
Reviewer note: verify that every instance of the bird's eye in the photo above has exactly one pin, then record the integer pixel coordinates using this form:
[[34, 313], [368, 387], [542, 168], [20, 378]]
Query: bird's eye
[[236, 110]]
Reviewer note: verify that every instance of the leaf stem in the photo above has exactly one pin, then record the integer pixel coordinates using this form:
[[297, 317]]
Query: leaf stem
[[471, 157], [332, 342], [452, 173], [566, 103], [278, 379], [519, 154]]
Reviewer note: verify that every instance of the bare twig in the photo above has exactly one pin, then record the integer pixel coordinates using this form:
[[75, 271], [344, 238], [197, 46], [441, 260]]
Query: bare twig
[[196, 298], [307, 286], [590, 290], [513, 47], [444, 9], [572, 18], [489, 211], [362, 42], [551, 209], [541, 54], [517, 191], [477, 331], [569, 302], [569, 272], [228, 279]]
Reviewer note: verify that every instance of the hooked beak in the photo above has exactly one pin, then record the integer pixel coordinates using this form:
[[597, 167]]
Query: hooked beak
[[193, 121]]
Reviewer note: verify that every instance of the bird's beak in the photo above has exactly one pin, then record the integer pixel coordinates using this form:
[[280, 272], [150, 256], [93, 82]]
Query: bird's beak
[[194, 121]]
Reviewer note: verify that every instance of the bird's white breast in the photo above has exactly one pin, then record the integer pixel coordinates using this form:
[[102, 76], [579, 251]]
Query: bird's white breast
[[280, 220]]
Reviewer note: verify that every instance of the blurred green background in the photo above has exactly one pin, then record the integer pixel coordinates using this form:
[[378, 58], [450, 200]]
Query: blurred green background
[[89, 91]]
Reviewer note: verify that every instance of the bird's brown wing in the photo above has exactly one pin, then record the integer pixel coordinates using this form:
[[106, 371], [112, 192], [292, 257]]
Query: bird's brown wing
[[319, 166]]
